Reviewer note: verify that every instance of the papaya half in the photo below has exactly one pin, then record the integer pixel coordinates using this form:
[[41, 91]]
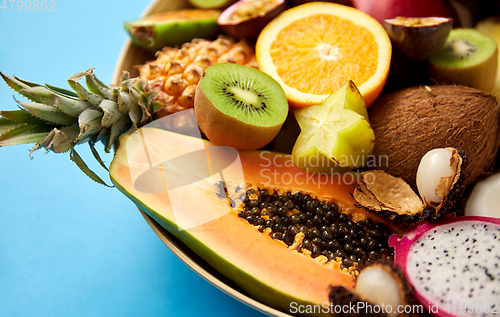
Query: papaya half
[[281, 234]]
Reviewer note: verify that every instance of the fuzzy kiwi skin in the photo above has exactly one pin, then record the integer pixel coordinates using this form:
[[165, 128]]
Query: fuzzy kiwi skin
[[224, 130], [481, 76], [410, 122]]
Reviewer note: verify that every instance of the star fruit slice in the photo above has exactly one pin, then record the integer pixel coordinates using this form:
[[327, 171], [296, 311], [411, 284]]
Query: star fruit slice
[[335, 135]]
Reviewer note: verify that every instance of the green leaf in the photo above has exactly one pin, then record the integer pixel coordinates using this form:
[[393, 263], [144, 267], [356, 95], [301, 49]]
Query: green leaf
[[134, 95], [60, 140], [97, 156], [144, 103], [48, 113], [70, 106], [91, 85], [135, 115], [21, 116], [156, 105], [13, 82], [125, 76], [116, 130], [62, 91], [98, 87], [125, 102], [141, 85], [6, 125], [89, 122], [100, 83], [73, 155], [126, 85], [111, 113], [138, 99], [37, 94], [27, 83], [23, 134], [102, 134], [93, 99]]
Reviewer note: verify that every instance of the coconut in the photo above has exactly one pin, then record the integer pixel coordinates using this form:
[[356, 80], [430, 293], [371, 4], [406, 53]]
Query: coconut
[[410, 122]]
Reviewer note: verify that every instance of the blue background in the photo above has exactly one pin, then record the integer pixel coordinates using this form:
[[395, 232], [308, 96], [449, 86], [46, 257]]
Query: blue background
[[68, 246]]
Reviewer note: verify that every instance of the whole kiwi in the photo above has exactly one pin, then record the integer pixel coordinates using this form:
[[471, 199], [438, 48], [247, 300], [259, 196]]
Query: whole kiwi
[[410, 122]]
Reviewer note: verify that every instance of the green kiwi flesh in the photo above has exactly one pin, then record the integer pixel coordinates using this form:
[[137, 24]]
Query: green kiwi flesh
[[239, 106], [468, 58]]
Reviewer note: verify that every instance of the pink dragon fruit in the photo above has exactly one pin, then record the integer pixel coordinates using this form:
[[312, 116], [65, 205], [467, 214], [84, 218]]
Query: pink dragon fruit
[[453, 265]]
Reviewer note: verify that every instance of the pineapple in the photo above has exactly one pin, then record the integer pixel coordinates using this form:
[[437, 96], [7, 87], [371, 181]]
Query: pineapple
[[58, 119], [176, 72]]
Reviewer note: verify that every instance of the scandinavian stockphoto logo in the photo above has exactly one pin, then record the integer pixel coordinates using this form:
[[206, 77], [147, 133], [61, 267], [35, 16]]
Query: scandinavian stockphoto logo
[[191, 166]]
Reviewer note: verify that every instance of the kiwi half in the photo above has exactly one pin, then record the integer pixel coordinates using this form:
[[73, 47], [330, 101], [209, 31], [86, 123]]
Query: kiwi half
[[468, 58], [239, 106]]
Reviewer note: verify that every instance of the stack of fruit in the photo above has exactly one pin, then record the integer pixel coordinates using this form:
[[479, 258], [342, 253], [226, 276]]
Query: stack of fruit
[[349, 181]]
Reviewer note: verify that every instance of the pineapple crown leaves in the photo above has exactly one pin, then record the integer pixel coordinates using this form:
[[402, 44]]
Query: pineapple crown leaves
[[58, 119]]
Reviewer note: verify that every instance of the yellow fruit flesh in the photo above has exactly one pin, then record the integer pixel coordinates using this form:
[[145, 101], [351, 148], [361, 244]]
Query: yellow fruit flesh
[[176, 72], [334, 135]]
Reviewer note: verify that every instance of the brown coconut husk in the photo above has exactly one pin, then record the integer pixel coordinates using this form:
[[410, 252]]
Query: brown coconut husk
[[410, 122], [394, 199]]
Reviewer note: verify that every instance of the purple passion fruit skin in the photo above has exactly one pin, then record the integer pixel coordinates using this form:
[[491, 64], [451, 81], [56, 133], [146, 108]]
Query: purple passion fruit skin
[[418, 38], [246, 18], [343, 2]]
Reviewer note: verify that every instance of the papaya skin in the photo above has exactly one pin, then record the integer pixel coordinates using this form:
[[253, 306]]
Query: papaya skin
[[263, 267], [172, 28]]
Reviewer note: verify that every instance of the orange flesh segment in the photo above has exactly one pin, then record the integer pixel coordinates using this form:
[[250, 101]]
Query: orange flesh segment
[[320, 59]]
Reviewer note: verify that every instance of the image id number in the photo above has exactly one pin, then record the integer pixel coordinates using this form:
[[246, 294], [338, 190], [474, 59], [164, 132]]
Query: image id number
[[472, 307], [27, 5]]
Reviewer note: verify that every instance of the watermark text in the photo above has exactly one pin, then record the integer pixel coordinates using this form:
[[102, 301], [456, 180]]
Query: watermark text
[[354, 308]]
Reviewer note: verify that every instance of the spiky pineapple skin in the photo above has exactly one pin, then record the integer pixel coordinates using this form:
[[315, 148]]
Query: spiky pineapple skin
[[175, 73]]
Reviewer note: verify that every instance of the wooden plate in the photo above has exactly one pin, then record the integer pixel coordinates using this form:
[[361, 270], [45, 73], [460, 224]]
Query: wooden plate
[[131, 55]]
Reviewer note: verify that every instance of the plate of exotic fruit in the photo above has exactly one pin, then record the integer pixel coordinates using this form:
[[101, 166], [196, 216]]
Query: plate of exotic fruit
[[306, 158]]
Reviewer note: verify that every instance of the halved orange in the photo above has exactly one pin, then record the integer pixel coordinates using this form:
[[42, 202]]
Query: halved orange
[[315, 48]]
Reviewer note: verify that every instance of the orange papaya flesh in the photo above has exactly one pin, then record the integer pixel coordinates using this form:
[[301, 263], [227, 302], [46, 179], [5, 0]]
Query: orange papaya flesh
[[269, 270]]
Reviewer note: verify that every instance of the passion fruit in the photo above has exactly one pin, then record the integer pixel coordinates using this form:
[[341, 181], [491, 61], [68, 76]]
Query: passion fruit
[[246, 18], [418, 38], [389, 9], [300, 2]]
